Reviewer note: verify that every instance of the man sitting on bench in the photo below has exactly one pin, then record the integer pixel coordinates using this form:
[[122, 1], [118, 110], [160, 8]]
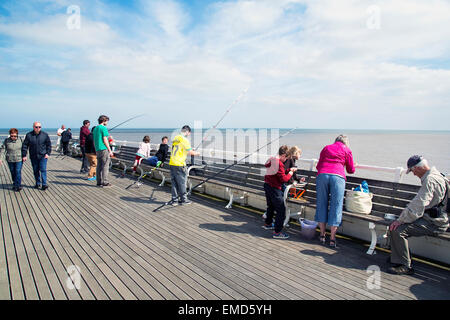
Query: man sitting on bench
[[425, 215]]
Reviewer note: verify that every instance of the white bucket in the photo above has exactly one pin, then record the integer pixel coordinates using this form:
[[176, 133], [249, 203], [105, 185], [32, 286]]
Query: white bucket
[[308, 228]]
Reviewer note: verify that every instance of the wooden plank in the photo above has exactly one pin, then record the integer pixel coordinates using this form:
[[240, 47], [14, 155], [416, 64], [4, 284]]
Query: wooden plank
[[178, 275], [16, 286], [60, 261], [102, 260], [204, 262], [55, 286], [5, 293], [96, 237], [161, 266], [40, 289]]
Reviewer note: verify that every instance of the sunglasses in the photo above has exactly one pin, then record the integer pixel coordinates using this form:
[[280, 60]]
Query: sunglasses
[[13, 136], [38, 127]]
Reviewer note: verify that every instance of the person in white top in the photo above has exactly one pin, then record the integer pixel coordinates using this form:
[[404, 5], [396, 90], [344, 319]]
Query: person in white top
[[59, 133], [143, 152]]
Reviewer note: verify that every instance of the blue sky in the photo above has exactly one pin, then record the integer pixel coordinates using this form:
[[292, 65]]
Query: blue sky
[[308, 64]]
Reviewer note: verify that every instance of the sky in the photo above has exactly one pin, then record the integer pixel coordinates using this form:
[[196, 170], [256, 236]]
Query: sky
[[325, 64]]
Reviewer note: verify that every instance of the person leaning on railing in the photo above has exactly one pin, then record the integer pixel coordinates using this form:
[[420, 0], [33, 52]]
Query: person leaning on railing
[[330, 185], [425, 215]]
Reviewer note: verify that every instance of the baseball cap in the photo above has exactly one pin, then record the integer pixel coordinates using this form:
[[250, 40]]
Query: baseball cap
[[412, 161]]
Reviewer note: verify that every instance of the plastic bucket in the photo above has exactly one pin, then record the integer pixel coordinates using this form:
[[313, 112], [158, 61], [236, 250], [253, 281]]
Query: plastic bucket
[[308, 228]]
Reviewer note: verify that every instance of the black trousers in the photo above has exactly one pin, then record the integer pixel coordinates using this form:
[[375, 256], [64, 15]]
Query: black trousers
[[84, 161], [275, 203], [65, 146]]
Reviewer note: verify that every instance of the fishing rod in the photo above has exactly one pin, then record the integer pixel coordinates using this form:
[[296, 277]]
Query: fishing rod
[[223, 117], [135, 117], [204, 138], [228, 167]]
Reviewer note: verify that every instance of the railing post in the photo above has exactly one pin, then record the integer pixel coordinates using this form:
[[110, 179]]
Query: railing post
[[399, 174]]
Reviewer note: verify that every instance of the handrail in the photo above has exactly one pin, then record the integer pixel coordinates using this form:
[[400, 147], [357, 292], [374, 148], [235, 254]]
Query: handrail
[[221, 155]]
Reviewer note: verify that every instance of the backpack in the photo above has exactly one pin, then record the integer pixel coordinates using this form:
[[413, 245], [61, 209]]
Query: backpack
[[446, 198]]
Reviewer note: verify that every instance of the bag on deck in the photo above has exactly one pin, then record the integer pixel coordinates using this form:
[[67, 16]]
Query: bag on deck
[[358, 201]]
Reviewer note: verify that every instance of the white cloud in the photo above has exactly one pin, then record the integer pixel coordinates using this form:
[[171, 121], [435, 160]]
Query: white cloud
[[321, 64]]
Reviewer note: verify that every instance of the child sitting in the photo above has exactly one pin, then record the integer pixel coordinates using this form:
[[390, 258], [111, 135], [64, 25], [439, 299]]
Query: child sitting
[[158, 159], [143, 152]]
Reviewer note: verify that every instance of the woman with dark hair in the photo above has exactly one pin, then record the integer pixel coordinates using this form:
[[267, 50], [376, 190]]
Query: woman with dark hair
[[12, 150], [330, 185]]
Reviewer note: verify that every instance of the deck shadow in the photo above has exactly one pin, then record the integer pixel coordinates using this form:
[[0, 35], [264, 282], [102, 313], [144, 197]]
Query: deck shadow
[[146, 200], [337, 258]]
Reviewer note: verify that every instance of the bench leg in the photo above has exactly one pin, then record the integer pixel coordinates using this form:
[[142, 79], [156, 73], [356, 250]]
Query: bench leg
[[163, 179], [188, 186], [141, 176], [373, 244], [293, 215], [232, 198], [231, 195]]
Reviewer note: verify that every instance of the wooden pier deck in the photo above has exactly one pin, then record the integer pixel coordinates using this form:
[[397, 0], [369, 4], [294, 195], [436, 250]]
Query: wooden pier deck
[[202, 251]]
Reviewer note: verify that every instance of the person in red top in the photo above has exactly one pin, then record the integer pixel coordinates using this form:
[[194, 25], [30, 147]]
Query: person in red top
[[273, 182], [84, 132]]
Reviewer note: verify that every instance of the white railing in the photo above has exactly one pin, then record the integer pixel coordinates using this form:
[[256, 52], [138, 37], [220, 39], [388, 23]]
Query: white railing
[[397, 174]]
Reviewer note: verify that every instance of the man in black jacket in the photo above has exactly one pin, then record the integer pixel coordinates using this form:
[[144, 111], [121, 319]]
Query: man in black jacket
[[65, 139], [40, 146]]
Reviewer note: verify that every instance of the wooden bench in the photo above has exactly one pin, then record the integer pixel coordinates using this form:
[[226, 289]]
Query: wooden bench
[[388, 198], [126, 156], [242, 180]]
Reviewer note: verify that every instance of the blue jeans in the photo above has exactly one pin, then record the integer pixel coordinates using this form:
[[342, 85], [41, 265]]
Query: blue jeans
[[330, 199], [178, 179], [40, 170], [16, 173], [275, 203], [153, 161]]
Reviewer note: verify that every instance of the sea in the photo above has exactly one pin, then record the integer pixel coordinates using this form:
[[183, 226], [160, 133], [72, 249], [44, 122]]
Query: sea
[[378, 148]]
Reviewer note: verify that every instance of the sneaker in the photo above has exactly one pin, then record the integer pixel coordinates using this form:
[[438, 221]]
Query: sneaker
[[107, 185], [185, 202], [44, 188], [400, 270], [37, 186], [174, 203], [158, 164], [280, 235], [92, 179], [100, 185], [269, 226]]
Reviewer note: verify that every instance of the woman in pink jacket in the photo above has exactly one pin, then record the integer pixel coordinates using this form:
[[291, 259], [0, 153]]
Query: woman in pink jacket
[[330, 185]]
